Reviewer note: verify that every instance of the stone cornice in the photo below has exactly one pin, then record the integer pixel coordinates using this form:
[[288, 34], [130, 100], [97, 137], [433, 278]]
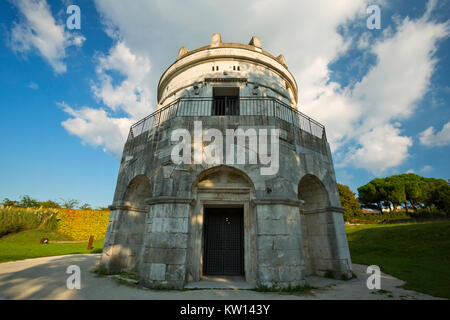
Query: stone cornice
[[125, 205], [223, 190], [164, 199], [269, 201], [322, 210]]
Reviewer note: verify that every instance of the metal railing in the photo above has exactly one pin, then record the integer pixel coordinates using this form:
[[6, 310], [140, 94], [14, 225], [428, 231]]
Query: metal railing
[[246, 106]]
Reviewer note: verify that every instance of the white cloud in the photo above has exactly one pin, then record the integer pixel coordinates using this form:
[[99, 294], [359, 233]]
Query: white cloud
[[426, 169], [39, 31], [158, 29], [431, 139], [133, 94], [96, 128], [381, 148], [369, 113], [362, 120], [33, 85]]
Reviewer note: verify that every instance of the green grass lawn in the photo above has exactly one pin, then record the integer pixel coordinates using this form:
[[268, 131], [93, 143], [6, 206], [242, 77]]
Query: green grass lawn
[[416, 253], [25, 245]]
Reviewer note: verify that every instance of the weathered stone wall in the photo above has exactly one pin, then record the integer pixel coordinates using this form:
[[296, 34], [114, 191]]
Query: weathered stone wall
[[124, 240], [165, 245], [280, 253], [287, 244]]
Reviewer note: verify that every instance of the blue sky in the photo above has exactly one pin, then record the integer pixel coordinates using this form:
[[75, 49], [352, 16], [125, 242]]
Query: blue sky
[[67, 97]]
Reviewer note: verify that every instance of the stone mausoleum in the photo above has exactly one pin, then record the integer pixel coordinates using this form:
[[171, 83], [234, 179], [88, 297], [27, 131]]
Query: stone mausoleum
[[178, 222]]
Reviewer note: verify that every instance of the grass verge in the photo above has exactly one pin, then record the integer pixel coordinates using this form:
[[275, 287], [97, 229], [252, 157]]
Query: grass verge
[[416, 253], [25, 245]]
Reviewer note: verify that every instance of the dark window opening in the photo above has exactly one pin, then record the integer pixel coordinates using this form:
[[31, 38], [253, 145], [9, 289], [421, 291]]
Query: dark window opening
[[225, 101]]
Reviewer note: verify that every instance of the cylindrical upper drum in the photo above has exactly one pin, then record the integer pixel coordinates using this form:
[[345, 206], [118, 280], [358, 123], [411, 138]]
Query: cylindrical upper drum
[[227, 69]]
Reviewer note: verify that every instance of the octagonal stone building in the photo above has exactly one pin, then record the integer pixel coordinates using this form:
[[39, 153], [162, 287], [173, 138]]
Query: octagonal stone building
[[177, 222]]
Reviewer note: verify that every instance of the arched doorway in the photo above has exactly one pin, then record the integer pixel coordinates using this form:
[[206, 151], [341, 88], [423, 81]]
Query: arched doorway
[[222, 235]]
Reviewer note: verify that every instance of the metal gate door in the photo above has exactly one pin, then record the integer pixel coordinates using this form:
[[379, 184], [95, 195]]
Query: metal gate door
[[224, 251]]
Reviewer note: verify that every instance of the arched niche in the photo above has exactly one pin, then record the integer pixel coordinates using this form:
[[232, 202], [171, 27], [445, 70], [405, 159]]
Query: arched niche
[[315, 230], [137, 192], [129, 225], [223, 177], [312, 191]]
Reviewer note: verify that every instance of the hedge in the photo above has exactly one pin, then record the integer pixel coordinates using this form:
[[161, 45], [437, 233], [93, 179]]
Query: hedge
[[80, 224], [17, 219], [77, 224]]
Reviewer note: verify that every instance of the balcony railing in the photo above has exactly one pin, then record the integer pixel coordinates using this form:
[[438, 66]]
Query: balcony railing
[[203, 107]]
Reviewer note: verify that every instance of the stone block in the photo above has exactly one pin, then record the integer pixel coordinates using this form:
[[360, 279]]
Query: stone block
[[268, 273], [157, 271], [265, 242], [166, 256], [279, 257], [290, 273], [176, 272], [167, 240], [170, 225], [288, 242]]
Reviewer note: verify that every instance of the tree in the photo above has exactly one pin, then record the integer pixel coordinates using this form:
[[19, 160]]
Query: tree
[[50, 204], [395, 191], [28, 202], [372, 194], [438, 194], [414, 188], [348, 202], [86, 206], [409, 189], [69, 204], [10, 203]]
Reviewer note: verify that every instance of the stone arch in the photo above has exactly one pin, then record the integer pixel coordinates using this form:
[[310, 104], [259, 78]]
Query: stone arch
[[315, 230], [223, 175], [127, 226], [138, 190], [313, 192]]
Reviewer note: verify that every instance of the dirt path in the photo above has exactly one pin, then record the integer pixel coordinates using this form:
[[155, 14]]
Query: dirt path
[[45, 278]]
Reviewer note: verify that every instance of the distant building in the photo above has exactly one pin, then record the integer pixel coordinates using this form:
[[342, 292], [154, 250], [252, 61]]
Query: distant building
[[370, 211]]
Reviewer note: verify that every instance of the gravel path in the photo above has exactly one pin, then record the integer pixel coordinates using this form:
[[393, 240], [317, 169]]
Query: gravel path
[[45, 278]]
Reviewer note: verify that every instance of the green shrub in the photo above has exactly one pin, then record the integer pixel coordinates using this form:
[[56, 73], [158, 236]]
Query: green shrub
[[375, 218], [427, 213], [18, 219]]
